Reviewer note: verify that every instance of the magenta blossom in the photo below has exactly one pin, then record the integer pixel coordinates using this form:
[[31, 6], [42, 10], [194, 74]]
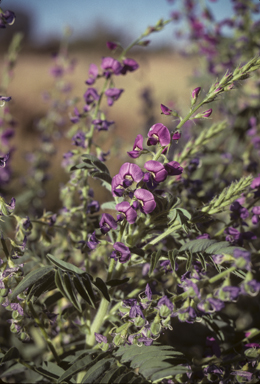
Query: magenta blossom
[[146, 200], [159, 133], [126, 211], [137, 148], [157, 170], [113, 94], [111, 45], [117, 186], [91, 95], [196, 92], [256, 212], [130, 65], [129, 173], [121, 253], [165, 110], [176, 136], [256, 182], [107, 222], [173, 168], [108, 63], [102, 125], [207, 113], [93, 73]]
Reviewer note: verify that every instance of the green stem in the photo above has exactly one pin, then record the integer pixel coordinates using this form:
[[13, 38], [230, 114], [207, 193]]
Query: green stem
[[163, 235], [221, 275], [102, 310], [45, 335]]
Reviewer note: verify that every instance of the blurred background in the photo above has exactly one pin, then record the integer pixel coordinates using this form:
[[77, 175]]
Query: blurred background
[[163, 76]]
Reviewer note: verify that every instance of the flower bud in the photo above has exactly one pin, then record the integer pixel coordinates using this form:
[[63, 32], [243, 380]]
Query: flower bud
[[195, 94], [204, 114]]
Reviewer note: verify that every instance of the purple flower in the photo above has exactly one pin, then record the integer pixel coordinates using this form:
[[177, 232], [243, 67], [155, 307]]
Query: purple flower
[[138, 146], [187, 314], [256, 212], [6, 136], [91, 95], [7, 17], [3, 160], [145, 340], [111, 45], [165, 110], [108, 63], [93, 207], [251, 287], [165, 301], [238, 211], [92, 242], [107, 222], [228, 293], [102, 125], [210, 305], [76, 118], [176, 136], [100, 338], [130, 172], [57, 71], [146, 200], [79, 139], [127, 211], [243, 258], [256, 182], [5, 98], [93, 72], [121, 253], [173, 168], [113, 94], [130, 65], [159, 133], [157, 170], [135, 311], [117, 185], [148, 292]]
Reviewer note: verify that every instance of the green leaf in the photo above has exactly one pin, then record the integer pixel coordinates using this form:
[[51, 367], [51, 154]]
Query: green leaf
[[81, 289], [89, 158], [116, 282], [101, 166], [43, 285], [109, 205], [88, 287], [102, 176], [30, 279], [64, 265], [99, 283], [112, 374], [11, 354], [154, 260], [81, 166], [13, 370], [214, 248], [69, 288], [82, 364], [173, 371], [172, 257], [198, 245], [97, 370]]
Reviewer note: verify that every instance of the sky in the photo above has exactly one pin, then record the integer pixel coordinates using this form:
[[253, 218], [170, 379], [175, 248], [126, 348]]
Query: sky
[[131, 16]]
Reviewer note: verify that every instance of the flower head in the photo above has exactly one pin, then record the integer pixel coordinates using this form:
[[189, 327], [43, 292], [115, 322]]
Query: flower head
[[113, 94], [146, 200], [108, 63], [107, 222], [130, 65], [138, 146], [159, 133], [128, 212], [130, 172], [93, 73], [173, 168], [102, 125], [157, 170], [121, 253], [91, 95]]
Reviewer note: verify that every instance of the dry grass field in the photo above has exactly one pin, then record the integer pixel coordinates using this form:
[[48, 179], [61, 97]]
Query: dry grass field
[[165, 74]]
